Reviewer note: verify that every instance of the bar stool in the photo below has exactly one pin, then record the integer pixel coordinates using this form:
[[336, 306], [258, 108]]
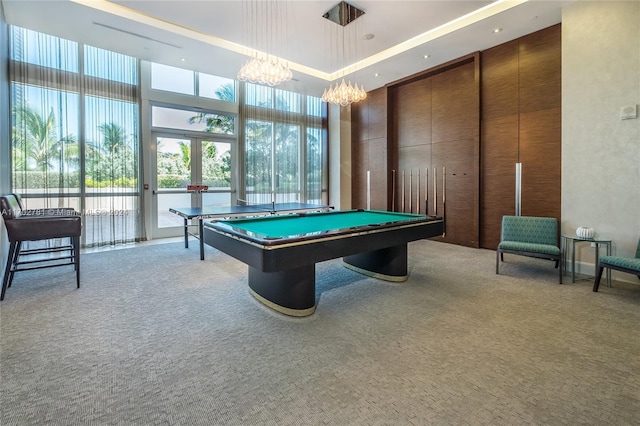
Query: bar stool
[[37, 227]]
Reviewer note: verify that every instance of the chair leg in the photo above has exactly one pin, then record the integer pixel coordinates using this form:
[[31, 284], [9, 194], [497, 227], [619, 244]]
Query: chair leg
[[596, 282], [559, 266], [76, 258], [498, 255], [8, 274], [14, 261]]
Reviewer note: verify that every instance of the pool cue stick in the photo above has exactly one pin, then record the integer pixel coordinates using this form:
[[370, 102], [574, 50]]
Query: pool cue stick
[[426, 191], [393, 190], [402, 192], [418, 193], [410, 188], [444, 202], [435, 193], [368, 189]]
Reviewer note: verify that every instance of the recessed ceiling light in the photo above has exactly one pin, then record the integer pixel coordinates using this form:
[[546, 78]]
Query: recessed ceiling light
[[377, 74], [425, 56], [183, 59], [368, 36], [497, 30]]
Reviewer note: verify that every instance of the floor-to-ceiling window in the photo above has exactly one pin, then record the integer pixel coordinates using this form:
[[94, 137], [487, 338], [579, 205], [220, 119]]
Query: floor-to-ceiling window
[[75, 133], [245, 142], [79, 114], [193, 142], [284, 146]]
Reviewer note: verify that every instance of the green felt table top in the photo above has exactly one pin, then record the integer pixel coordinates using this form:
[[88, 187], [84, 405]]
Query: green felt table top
[[290, 225]]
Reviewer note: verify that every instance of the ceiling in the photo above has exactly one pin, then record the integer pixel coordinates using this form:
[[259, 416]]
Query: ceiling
[[215, 36]]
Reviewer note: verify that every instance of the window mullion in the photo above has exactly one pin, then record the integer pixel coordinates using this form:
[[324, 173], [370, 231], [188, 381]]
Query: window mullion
[[82, 149]]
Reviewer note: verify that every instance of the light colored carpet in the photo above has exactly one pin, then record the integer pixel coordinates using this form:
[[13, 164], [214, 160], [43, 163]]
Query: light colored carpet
[[157, 337]]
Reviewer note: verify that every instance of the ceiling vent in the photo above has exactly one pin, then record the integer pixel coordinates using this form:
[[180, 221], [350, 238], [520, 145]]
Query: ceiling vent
[[133, 34]]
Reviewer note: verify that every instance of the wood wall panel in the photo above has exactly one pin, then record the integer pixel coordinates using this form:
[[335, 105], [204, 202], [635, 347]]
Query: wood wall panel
[[540, 155], [359, 122], [411, 105], [459, 205], [498, 176], [523, 126], [455, 146], [500, 81], [370, 153], [454, 104], [515, 90], [377, 120], [540, 70], [412, 159], [378, 168], [445, 105]]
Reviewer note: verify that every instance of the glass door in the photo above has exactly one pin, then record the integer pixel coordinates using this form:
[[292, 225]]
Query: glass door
[[181, 161], [215, 165]]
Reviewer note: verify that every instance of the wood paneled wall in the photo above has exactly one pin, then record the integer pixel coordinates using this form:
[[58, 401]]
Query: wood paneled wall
[[521, 122], [412, 144], [435, 136], [476, 117], [369, 151]]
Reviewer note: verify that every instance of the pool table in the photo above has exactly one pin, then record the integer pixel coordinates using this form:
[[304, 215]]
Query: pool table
[[281, 251]]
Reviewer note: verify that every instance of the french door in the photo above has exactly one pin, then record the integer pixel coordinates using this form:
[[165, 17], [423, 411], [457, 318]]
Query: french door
[[181, 161]]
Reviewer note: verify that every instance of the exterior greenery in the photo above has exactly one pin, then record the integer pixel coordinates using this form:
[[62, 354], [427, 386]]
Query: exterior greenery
[[44, 160], [174, 169]]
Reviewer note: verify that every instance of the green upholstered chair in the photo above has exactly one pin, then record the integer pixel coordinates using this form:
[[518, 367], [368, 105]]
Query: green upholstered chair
[[530, 236], [630, 265]]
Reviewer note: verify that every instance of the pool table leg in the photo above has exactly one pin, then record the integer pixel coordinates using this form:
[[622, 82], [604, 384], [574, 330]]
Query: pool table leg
[[389, 264], [291, 292]]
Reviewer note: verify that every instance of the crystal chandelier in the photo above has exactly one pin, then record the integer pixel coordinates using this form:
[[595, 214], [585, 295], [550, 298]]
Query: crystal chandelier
[[264, 28], [343, 93], [265, 71]]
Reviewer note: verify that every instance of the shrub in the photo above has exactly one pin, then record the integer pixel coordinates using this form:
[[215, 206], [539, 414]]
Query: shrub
[[171, 181], [41, 180]]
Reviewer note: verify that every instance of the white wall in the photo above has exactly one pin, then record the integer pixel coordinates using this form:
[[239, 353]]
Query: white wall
[[601, 152], [340, 157]]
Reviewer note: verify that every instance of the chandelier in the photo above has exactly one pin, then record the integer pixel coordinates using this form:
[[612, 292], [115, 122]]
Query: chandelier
[[263, 31], [343, 93], [265, 71]]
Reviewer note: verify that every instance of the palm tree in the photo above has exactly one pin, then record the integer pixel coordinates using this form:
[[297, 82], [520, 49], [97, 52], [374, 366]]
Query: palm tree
[[209, 150], [36, 146], [215, 123], [185, 152], [226, 92], [113, 138], [218, 123], [112, 157], [258, 140], [36, 137]]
